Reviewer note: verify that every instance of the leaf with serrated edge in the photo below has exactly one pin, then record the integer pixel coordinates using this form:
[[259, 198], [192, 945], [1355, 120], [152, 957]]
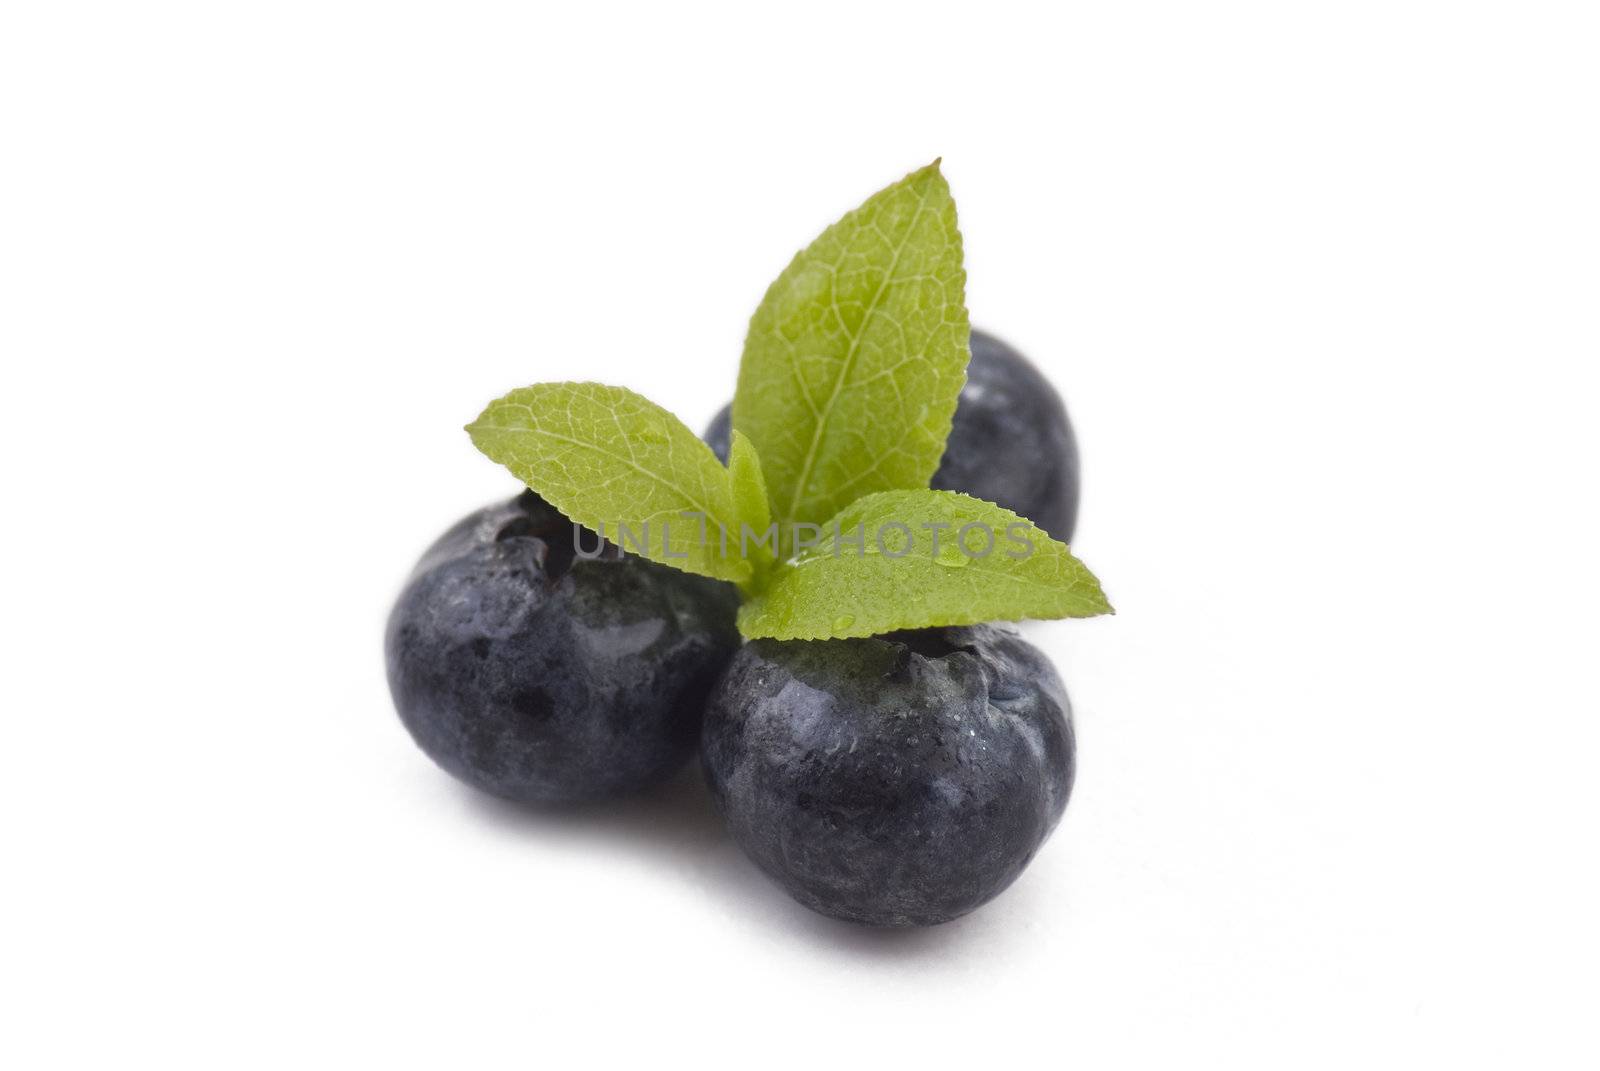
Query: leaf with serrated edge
[[856, 355], [604, 455], [832, 590]]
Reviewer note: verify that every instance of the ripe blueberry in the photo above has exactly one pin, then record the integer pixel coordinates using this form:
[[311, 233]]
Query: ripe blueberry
[[540, 676], [1010, 443], [898, 780]]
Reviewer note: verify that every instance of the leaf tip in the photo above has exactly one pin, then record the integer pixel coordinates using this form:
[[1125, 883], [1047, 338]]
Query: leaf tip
[[478, 430], [933, 172]]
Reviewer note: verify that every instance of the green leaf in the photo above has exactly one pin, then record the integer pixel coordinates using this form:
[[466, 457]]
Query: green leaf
[[606, 456], [854, 360], [898, 580], [750, 502]]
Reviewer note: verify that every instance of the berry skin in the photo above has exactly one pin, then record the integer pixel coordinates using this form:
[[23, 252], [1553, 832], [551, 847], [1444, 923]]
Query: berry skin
[[719, 433], [900, 780], [546, 678], [1010, 442]]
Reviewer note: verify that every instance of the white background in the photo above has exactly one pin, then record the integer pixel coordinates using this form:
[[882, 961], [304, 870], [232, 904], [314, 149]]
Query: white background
[[1318, 282]]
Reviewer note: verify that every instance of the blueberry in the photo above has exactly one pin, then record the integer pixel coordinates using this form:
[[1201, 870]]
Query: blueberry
[[719, 433], [901, 780], [544, 677], [1010, 442]]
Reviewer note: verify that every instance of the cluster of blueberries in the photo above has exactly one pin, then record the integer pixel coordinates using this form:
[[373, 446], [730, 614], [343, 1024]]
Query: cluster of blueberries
[[897, 780]]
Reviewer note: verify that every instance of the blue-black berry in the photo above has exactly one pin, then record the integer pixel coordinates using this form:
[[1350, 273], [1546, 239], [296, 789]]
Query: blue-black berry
[[538, 675], [897, 780]]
